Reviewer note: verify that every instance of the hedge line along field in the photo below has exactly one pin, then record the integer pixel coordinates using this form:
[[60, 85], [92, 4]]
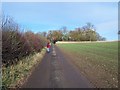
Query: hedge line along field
[[17, 44], [21, 51], [97, 61], [14, 76]]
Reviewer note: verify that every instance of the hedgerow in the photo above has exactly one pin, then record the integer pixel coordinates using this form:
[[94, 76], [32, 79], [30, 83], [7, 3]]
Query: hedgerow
[[17, 44]]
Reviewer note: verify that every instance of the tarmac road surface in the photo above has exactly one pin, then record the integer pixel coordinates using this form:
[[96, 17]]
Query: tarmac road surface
[[56, 71]]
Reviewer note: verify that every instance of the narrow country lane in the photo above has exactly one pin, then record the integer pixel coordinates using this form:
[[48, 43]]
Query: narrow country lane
[[56, 71]]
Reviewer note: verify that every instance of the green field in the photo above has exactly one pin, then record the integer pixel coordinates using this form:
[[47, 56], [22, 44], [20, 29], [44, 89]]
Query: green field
[[97, 61]]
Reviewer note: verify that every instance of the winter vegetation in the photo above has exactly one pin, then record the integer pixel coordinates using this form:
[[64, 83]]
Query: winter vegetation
[[14, 76], [17, 44], [21, 52], [85, 33]]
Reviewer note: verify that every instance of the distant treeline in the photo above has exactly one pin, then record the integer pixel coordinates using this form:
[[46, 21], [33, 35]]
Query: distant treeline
[[17, 44], [85, 33]]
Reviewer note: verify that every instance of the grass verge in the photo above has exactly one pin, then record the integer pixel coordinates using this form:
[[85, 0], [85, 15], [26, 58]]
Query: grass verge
[[97, 61], [14, 76]]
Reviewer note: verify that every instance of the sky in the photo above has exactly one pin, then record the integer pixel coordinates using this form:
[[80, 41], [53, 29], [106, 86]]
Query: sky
[[45, 16], [60, 0]]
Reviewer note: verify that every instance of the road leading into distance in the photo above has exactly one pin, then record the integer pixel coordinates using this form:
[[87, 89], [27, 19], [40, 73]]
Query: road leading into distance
[[56, 71]]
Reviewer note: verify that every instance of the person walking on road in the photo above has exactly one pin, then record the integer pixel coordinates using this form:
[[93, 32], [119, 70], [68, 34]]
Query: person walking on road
[[48, 47]]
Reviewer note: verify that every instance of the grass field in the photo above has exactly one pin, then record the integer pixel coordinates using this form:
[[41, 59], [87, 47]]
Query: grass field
[[97, 61]]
